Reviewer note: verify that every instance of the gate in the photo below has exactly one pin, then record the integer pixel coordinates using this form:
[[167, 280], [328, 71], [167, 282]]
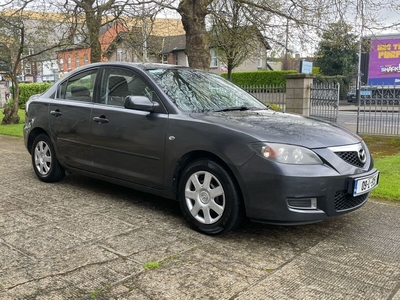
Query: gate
[[379, 110], [268, 94], [324, 102]]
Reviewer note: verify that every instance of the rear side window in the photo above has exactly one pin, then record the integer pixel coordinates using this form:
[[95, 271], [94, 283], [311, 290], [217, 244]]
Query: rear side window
[[79, 87]]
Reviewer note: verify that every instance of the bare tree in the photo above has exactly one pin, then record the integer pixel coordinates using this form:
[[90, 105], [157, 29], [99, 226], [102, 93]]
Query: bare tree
[[286, 24], [234, 36], [24, 35], [94, 14]]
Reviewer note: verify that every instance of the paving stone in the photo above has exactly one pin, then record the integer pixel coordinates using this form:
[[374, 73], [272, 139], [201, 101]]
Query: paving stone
[[82, 238]]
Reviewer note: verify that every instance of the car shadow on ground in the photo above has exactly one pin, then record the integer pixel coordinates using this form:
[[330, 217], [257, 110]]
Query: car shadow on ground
[[171, 213]]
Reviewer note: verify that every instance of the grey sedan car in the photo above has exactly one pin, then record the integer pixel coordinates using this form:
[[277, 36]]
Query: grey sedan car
[[192, 136]]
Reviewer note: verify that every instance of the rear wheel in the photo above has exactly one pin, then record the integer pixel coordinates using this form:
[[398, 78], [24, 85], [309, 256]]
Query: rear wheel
[[209, 197], [44, 160]]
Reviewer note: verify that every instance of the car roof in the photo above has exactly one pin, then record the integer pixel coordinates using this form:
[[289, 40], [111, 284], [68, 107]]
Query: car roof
[[143, 66]]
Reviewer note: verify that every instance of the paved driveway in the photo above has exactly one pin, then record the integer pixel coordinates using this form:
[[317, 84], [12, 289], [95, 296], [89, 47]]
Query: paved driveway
[[86, 239]]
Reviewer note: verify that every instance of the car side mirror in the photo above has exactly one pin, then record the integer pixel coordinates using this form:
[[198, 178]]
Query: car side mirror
[[140, 103]]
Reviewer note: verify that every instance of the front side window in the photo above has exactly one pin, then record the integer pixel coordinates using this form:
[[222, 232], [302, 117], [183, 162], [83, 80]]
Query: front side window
[[197, 91], [118, 83], [79, 87]]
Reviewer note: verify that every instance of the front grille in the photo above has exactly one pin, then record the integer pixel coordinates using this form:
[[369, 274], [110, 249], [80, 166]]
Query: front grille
[[351, 157], [345, 201]]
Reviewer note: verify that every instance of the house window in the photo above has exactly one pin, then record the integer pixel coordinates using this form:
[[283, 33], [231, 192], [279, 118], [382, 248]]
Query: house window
[[119, 54], [214, 60], [61, 64], [259, 60], [165, 59], [177, 58], [69, 63], [28, 69], [77, 61], [86, 59]]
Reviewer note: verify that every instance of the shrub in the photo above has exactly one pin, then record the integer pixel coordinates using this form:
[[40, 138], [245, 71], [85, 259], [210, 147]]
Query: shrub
[[316, 71], [276, 78], [28, 89]]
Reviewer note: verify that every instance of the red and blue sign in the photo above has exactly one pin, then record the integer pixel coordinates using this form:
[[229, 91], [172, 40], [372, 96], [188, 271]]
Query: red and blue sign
[[384, 62]]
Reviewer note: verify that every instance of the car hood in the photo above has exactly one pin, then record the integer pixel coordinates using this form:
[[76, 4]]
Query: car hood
[[272, 126]]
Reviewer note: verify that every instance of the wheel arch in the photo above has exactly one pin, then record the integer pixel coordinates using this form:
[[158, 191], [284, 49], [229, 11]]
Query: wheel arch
[[32, 136], [188, 158]]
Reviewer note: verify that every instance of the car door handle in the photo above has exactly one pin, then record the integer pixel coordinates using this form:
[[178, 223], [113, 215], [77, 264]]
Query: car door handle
[[100, 120], [56, 113]]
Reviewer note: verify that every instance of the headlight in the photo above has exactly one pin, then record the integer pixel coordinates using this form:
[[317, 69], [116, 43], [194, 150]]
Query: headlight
[[286, 154]]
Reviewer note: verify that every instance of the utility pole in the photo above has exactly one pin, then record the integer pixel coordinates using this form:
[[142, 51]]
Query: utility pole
[[358, 83]]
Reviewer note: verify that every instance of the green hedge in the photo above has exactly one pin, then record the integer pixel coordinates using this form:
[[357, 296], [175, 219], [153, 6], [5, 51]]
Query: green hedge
[[28, 89], [276, 78], [316, 71]]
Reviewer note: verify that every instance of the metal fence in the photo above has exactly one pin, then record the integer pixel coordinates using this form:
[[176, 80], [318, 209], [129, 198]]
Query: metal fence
[[378, 112], [324, 102], [379, 117], [268, 94]]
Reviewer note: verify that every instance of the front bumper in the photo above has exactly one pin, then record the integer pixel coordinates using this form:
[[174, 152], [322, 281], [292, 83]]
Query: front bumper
[[293, 194]]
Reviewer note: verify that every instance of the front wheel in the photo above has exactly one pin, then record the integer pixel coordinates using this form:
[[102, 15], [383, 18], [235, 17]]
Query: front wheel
[[44, 160], [209, 198]]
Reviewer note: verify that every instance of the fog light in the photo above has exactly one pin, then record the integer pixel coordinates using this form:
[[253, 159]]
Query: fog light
[[304, 203]]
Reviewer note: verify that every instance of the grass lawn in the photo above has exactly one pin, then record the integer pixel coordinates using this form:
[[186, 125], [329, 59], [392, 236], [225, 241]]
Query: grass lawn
[[385, 151], [13, 129]]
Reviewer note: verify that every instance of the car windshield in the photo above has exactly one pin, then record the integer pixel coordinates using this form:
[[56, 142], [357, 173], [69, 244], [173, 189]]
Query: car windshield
[[198, 91]]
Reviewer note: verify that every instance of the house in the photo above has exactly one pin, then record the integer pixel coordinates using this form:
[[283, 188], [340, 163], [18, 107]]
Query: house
[[171, 50], [238, 44], [41, 32], [78, 54], [133, 47], [118, 43]]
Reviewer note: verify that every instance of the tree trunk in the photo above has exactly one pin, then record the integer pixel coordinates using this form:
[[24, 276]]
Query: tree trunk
[[230, 69], [11, 113], [93, 24], [193, 13]]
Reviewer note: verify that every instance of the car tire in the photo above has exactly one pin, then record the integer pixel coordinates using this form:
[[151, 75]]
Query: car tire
[[44, 160], [209, 198]]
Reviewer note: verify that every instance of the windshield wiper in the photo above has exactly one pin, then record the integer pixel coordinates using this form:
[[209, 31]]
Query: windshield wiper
[[233, 108]]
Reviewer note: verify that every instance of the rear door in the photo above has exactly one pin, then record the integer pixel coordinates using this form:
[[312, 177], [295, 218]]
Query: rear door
[[127, 144], [70, 119]]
